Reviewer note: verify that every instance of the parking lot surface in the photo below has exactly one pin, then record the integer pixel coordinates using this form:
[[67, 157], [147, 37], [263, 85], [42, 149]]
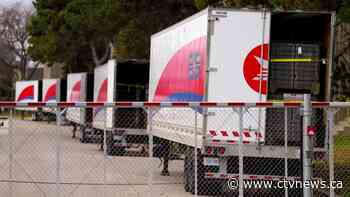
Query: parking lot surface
[[38, 159]]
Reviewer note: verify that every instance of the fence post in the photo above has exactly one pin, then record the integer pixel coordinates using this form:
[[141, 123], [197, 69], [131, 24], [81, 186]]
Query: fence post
[[330, 115], [58, 152], [11, 152], [307, 146], [240, 152], [105, 156], [195, 155], [150, 149], [286, 149]]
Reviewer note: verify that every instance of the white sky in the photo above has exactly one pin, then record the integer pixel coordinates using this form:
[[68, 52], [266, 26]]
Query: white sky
[[8, 2]]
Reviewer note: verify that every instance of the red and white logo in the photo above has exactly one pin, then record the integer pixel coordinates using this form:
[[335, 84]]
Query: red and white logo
[[255, 68]]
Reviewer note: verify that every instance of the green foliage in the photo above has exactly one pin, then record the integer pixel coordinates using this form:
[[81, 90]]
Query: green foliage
[[132, 40], [66, 31], [344, 11], [63, 31], [284, 4], [201, 4]]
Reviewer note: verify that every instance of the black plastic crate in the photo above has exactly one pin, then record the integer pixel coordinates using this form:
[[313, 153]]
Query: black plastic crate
[[275, 127], [274, 130], [287, 76], [298, 50], [282, 50], [308, 51]]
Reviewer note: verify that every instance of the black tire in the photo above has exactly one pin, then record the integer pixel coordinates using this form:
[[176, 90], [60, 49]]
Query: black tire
[[109, 148], [204, 186], [83, 136], [119, 151]]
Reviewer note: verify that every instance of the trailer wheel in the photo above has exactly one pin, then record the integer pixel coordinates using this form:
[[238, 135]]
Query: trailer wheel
[[120, 151], [83, 136], [108, 142]]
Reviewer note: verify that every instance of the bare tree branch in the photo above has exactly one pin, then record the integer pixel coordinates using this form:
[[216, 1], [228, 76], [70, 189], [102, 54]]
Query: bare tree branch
[[14, 37], [36, 66], [99, 61]]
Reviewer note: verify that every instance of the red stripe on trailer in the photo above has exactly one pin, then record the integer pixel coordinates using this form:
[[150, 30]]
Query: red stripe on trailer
[[246, 134], [210, 174], [253, 177], [264, 104], [235, 133], [320, 104], [151, 104], [66, 104], [95, 104], [258, 135], [268, 178], [291, 104], [180, 104], [216, 141], [245, 142], [236, 104], [7, 104], [36, 104], [123, 104], [224, 133], [208, 104], [231, 141], [212, 133]]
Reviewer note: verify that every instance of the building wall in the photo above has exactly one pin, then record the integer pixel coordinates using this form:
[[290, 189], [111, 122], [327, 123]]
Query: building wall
[[54, 71]]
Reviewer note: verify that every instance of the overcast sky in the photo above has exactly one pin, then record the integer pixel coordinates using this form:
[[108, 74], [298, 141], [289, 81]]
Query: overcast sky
[[8, 2]]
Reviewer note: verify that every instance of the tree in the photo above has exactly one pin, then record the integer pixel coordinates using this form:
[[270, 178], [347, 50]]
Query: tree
[[284, 4], [14, 57], [14, 38], [82, 33], [77, 33], [149, 17]]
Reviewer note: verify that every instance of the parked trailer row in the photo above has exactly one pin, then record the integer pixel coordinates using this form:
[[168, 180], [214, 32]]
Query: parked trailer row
[[216, 55], [240, 55], [122, 81]]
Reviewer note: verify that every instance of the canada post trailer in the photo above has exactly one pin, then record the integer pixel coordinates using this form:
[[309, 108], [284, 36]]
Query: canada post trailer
[[79, 89], [125, 80], [222, 55], [29, 91], [53, 90]]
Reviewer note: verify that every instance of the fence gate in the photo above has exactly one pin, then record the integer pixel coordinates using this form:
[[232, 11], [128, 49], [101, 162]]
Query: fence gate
[[174, 149]]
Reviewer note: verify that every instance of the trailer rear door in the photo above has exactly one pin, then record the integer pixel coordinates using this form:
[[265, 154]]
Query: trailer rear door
[[238, 65]]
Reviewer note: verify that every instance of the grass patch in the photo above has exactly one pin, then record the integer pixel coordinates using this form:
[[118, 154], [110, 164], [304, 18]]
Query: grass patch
[[342, 162], [342, 142]]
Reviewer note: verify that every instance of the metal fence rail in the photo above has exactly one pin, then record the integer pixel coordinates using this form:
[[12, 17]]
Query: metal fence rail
[[173, 149]]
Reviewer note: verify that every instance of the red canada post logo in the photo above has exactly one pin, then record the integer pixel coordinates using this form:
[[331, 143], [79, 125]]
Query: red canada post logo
[[253, 74]]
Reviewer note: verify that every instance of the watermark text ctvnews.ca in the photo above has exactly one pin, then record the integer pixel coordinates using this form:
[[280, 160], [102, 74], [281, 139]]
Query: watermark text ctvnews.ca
[[233, 184]]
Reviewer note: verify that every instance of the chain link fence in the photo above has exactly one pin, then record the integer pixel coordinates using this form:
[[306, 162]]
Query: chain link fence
[[181, 149]]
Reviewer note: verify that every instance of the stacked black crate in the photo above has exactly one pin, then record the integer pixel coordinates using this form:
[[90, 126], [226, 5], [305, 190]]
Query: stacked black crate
[[306, 70], [275, 124], [294, 68], [281, 73]]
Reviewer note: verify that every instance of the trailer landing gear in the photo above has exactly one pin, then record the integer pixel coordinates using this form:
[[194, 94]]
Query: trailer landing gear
[[166, 157], [74, 131]]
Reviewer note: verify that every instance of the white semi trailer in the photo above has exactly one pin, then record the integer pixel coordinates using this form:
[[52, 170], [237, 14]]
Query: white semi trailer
[[79, 89], [29, 91], [53, 90], [225, 55], [125, 80]]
